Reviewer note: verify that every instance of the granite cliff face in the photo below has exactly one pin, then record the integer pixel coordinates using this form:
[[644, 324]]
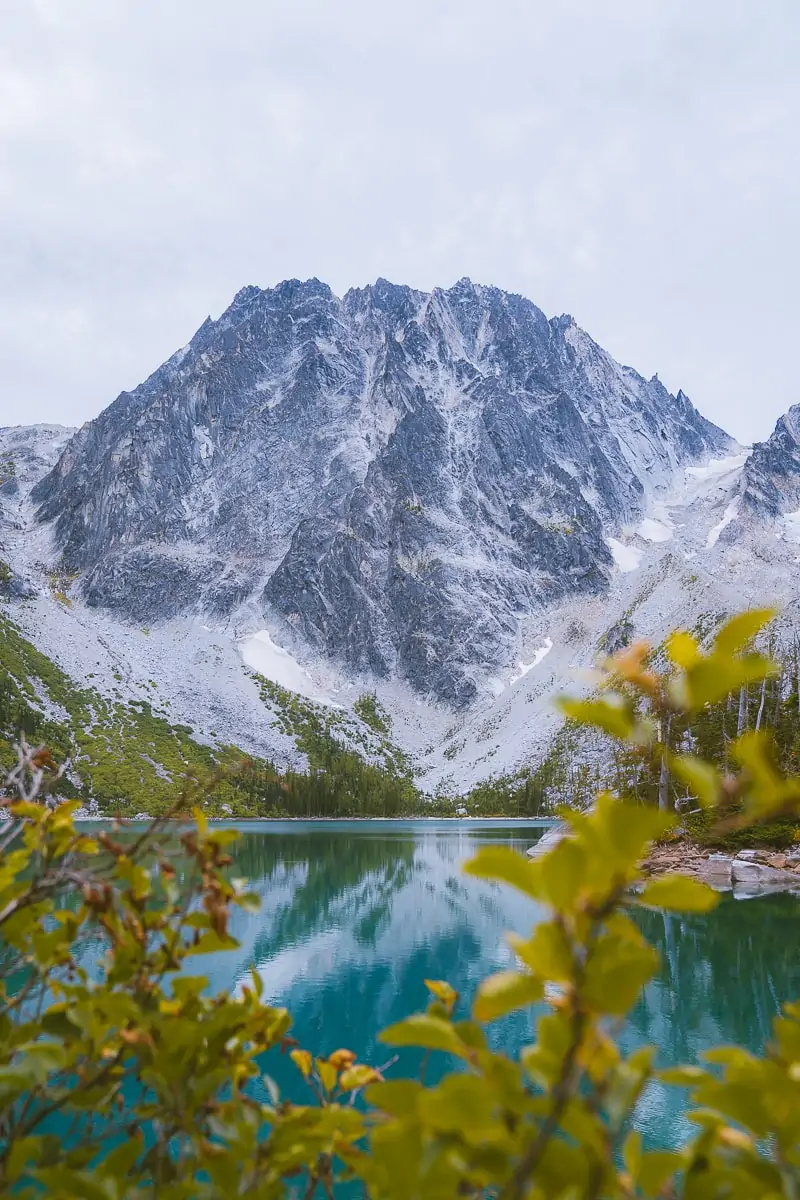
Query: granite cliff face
[[27, 453], [394, 478], [771, 476]]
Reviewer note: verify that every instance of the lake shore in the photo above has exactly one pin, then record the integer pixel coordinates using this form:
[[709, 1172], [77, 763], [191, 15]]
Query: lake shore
[[521, 822], [748, 871]]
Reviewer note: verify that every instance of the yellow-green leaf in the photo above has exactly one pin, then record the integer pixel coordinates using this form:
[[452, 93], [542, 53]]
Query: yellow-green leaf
[[443, 991], [679, 893], [397, 1096], [358, 1076], [682, 648], [616, 973], [502, 993], [563, 870], [713, 678], [614, 716], [327, 1073], [302, 1060], [463, 1104], [699, 776], [624, 830], [656, 1169], [507, 866], [683, 1076], [201, 820], [740, 630], [426, 1031], [547, 952]]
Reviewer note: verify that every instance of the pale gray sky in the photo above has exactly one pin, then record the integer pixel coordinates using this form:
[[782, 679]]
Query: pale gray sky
[[633, 162]]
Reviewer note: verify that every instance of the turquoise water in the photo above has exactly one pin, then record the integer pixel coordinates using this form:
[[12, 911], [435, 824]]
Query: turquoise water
[[355, 915]]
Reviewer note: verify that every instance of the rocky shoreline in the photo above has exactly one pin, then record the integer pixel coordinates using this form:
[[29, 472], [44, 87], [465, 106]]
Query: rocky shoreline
[[745, 873]]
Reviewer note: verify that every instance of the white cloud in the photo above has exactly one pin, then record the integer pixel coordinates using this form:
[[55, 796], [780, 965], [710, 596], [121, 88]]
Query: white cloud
[[632, 163]]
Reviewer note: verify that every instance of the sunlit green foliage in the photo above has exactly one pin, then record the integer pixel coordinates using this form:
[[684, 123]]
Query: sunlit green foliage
[[753, 703], [162, 1090]]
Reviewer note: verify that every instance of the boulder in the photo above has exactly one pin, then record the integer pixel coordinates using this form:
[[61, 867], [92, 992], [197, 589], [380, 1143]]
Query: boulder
[[716, 870], [759, 875]]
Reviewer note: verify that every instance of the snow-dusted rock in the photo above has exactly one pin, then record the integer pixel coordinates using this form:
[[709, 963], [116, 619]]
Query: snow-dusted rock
[[393, 479], [394, 492], [89, 812], [771, 477]]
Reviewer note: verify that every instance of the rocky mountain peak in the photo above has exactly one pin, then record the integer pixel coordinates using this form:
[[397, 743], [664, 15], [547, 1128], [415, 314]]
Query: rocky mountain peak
[[771, 477], [393, 479]]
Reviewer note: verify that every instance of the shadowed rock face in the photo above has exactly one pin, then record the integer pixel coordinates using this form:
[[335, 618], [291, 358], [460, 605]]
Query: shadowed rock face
[[397, 476], [771, 478]]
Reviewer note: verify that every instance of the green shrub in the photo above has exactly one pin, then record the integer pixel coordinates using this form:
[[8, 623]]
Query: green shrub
[[703, 828], [373, 713]]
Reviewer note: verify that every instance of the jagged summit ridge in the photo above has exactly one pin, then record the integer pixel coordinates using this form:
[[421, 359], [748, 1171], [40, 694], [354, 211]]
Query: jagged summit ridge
[[394, 478], [771, 477]]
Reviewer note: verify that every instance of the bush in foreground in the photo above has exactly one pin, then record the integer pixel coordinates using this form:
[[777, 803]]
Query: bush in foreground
[[134, 1082]]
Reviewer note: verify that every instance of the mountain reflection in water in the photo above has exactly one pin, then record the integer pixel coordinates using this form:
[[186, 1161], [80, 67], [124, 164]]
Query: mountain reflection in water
[[356, 915]]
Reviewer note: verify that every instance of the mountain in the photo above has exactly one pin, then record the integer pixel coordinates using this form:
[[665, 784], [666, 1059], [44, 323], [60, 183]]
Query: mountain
[[771, 483], [27, 453], [395, 481], [301, 509]]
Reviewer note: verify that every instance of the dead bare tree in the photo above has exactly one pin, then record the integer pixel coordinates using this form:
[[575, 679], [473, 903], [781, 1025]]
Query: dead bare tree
[[741, 723]]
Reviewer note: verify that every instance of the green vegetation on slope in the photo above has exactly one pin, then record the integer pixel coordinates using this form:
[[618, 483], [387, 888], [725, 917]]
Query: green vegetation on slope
[[122, 755], [354, 767], [130, 760]]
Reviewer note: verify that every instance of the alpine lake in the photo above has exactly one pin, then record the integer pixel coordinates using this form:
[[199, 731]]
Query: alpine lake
[[355, 915]]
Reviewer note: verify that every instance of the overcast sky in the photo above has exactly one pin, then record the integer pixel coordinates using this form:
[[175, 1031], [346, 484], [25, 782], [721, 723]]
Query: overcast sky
[[632, 162]]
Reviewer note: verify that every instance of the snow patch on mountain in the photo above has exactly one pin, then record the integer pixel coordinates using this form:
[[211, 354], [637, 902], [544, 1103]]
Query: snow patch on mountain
[[791, 526], [653, 530], [729, 515], [717, 467], [266, 657], [538, 656], [626, 557]]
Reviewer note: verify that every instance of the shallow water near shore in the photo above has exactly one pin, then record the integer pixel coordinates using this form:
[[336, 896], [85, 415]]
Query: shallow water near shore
[[355, 915]]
